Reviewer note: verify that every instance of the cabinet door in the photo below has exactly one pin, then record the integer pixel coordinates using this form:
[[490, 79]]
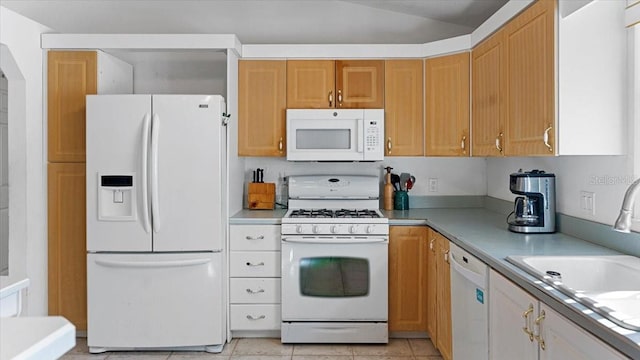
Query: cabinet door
[[443, 299], [71, 76], [67, 242], [564, 340], [512, 311], [360, 84], [261, 108], [311, 84], [404, 128], [447, 105], [529, 45], [432, 277], [407, 278], [488, 100]]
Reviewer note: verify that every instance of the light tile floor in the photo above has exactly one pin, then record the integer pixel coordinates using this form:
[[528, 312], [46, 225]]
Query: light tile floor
[[272, 349]]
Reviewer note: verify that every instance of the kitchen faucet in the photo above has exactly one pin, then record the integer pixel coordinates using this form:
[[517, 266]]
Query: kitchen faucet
[[623, 223]]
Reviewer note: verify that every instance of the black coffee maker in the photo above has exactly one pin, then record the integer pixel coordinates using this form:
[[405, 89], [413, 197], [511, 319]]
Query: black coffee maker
[[535, 210]]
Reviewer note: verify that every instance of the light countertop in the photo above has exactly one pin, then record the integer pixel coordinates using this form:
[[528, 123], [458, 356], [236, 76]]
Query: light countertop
[[484, 234]]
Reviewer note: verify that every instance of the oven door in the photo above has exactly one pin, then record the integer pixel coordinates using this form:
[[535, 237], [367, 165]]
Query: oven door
[[325, 139], [334, 278]]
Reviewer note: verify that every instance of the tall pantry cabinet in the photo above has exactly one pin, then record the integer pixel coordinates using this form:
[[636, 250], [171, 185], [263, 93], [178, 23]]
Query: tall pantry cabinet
[[71, 75]]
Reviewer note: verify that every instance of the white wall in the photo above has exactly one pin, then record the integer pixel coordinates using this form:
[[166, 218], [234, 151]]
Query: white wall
[[606, 176], [177, 72], [22, 37], [456, 176]]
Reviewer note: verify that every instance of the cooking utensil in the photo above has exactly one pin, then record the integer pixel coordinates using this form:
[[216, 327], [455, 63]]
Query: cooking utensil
[[411, 182], [403, 181], [395, 180]]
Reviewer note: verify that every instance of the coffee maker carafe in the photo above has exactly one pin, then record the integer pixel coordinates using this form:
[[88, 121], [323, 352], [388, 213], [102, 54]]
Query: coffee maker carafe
[[534, 211]]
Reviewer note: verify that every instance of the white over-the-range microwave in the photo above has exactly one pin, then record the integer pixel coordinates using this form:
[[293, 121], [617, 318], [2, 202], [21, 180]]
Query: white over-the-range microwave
[[335, 134]]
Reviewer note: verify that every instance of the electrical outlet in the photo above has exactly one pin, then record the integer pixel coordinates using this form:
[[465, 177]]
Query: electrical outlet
[[588, 202], [433, 185]]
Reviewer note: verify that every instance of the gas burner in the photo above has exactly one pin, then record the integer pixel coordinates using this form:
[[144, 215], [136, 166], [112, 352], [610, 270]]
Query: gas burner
[[314, 213], [355, 213]]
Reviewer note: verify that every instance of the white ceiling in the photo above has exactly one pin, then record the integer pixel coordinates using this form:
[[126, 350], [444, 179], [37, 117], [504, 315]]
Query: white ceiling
[[268, 21]]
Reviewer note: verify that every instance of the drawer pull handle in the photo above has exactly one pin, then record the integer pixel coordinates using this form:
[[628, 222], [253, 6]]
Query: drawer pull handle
[[251, 317], [250, 291], [261, 237], [258, 264]]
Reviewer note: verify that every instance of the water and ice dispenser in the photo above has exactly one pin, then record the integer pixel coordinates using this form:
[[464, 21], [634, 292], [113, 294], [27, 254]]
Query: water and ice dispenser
[[116, 198]]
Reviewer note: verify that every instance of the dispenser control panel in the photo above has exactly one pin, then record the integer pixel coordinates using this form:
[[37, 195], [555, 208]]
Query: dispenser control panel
[[116, 197]]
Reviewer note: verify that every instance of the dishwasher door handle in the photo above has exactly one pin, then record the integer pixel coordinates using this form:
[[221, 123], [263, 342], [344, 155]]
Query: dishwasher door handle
[[474, 277]]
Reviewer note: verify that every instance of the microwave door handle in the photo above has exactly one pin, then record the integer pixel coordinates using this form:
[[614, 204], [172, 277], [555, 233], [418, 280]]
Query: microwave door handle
[[360, 135]]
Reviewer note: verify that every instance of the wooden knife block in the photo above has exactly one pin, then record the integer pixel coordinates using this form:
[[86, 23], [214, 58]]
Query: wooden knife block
[[261, 195]]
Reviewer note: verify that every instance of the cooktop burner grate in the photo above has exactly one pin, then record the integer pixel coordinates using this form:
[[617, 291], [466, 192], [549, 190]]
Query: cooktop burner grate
[[328, 213]]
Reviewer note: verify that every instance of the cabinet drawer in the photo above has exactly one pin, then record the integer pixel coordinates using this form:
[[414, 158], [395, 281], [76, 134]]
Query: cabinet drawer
[[255, 317], [255, 291], [255, 237], [255, 264]]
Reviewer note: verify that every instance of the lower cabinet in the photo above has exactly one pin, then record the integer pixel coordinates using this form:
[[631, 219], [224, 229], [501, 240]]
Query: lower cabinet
[[407, 278], [439, 294], [521, 327], [254, 263]]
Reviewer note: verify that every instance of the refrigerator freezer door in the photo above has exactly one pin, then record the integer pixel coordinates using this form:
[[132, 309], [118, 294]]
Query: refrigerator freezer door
[[116, 209], [190, 147], [154, 300]]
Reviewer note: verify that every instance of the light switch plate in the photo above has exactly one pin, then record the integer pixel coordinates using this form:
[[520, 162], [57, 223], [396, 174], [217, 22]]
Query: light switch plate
[[588, 202]]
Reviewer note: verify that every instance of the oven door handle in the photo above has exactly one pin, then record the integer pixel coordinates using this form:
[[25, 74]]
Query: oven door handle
[[335, 240]]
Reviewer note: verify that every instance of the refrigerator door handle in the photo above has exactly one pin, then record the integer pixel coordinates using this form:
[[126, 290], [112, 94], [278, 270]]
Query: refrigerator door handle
[[152, 264], [155, 207], [146, 126]]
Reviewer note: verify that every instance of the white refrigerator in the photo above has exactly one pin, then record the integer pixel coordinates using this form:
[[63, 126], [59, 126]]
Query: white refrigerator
[[156, 222]]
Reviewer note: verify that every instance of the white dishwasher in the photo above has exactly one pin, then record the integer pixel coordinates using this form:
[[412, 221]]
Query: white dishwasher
[[469, 305]]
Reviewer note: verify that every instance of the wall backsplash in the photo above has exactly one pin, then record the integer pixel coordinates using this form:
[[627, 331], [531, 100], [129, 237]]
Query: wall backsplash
[[455, 176]]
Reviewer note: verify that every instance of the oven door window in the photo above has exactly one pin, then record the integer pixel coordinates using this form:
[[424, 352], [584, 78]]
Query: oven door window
[[323, 139], [334, 277]]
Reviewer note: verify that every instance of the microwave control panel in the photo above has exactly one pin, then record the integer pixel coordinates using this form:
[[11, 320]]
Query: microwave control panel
[[374, 135]]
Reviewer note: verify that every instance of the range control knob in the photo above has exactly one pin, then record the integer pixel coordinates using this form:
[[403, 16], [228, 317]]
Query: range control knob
[[334, 229], [353, 229], [369, 229], [315, 229], [299, 229]]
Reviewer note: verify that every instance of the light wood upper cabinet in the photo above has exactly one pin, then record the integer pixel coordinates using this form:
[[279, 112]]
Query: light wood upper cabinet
[[403, 99], [447, 105], [488, 73], [71, 76], [439, 294], [360, 84], [311, 84], [407, 278], [529, 41], [261, 108], [67, 242], [341, 84]]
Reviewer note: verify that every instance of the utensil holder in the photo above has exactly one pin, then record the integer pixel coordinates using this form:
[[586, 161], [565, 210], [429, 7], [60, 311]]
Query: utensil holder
[[261, 196], [401, 200]]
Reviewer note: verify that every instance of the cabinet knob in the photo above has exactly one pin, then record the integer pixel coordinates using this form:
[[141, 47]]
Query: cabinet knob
[[463, 144], [340, 98], [389, 146], [280, 145], [431, 247], [330, 98], [545, 138], [499, 142]]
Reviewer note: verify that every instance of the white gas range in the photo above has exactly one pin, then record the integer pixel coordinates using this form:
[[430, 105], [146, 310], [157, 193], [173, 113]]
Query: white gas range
[[334, 261]]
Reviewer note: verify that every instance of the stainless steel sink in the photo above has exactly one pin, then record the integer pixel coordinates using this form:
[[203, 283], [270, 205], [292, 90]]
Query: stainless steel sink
[[608, 285]]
